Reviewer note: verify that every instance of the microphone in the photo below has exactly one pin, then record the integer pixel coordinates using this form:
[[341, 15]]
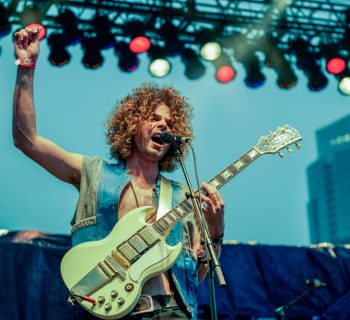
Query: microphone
[[280, 312], [315, 283], [166, 137]]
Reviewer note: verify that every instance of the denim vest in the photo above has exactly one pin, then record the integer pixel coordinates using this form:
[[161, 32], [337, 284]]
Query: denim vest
[[112, 178]]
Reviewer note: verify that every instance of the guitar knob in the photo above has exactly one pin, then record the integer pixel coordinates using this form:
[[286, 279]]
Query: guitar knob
[[298, 145], [101, 299], [121, 301], [281, 155], [114, 294], [290, 150], [108, 307], [129, 287]]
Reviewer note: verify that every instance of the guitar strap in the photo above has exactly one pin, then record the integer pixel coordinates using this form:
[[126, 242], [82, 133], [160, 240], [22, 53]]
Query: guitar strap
[[165, 197]]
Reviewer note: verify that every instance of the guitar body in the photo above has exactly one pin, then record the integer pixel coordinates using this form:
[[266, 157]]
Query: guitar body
[[120, 290]]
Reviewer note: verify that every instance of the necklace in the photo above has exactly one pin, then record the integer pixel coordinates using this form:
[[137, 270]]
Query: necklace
[[151, 217], [134, 193]]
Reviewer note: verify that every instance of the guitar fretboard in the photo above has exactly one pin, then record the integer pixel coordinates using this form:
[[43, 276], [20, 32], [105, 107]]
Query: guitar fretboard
[[185, 207]]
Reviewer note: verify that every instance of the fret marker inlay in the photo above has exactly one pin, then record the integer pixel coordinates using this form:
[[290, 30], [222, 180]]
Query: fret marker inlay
[[253, 153], [227, 174], [215, 183], [238, 164]]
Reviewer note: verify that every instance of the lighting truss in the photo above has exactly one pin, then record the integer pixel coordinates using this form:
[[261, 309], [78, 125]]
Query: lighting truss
[[316, 19]]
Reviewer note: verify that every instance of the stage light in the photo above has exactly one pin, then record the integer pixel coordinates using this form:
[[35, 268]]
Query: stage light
[[31, 15], [254, 77], [275, 59], [286, 76], [317, 80], [92, 58], [225, 74], [194, 68], [5, 26], [224, 70], [307, 62], [336, 60], [159, 66], [69, 24], [170, 34], [344, 82], [245, 54], [139, 43], [210, 51], [210, 48], [103, 31], [344, 85], [128, 61], [58, 56], [335, 65]]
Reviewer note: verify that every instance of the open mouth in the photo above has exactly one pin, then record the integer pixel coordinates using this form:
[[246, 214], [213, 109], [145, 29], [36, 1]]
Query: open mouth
[[157, 140]]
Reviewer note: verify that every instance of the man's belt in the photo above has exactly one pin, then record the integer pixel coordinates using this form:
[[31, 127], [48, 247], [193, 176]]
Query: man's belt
[[147, 304]]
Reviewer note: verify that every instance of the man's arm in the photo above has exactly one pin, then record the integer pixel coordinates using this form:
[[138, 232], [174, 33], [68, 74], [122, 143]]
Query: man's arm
[[62, 164]]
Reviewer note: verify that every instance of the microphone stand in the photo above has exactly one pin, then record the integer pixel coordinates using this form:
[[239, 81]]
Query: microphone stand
[[280, 312], [212, 259]]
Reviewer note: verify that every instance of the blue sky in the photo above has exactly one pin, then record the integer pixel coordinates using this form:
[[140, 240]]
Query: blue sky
[[266, 202]]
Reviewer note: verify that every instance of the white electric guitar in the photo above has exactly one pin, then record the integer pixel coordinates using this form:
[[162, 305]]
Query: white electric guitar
[[106, 276]]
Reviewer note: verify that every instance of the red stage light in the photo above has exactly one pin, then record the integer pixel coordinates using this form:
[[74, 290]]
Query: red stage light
[[225, 74], [42, 32], [139, 44], [336, 65]]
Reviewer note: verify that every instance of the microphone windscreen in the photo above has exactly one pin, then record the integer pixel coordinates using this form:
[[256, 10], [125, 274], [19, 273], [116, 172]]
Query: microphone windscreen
[[167, 137]]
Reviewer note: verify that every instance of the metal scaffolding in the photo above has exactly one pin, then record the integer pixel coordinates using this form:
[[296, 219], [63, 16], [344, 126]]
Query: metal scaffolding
[[255, 33], [317, 20]]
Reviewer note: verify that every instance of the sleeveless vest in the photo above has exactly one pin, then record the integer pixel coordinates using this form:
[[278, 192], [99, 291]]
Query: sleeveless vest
[[97, 214]]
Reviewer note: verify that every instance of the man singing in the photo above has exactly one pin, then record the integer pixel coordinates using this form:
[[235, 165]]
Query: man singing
[[108, 191]]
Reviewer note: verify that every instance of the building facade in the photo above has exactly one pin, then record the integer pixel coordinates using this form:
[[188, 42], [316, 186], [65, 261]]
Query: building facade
[[329, 185]]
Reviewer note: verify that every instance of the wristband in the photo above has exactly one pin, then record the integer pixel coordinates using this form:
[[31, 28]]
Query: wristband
[[26, 62], [219, 240]]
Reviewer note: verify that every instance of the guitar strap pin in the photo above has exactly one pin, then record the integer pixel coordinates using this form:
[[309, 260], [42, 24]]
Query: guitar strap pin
[[72, 301]]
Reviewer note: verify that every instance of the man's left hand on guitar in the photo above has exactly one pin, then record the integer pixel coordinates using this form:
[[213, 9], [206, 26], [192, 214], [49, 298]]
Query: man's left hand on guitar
[[213, 209]]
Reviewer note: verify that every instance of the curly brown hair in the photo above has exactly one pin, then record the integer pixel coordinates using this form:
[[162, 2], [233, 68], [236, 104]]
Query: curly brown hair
[[124, 120]]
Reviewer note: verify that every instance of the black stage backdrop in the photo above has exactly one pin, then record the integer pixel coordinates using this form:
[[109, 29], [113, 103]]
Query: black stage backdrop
[[259, 279]]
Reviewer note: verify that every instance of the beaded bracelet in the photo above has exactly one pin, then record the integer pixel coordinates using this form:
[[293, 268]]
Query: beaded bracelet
[[202, 254], [26, 62]]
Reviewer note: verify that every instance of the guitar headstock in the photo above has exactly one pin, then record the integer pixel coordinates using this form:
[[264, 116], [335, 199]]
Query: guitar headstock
[[282, 138]]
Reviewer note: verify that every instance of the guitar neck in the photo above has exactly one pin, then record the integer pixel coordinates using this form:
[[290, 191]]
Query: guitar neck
[[234, 168], [185, 207]]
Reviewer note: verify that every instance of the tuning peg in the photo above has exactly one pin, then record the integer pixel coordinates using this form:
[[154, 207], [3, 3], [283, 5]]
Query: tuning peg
[[298, 145], [281, 155], [289, 149]]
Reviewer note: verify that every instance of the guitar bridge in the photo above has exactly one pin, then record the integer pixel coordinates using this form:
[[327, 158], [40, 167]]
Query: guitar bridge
[[120, 260]]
